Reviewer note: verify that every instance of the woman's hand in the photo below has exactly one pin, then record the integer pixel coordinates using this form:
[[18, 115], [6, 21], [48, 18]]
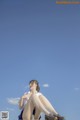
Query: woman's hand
[[27, 96], [24, 96]]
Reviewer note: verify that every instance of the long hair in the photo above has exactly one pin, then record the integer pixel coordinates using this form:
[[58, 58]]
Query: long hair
[[36, 82]]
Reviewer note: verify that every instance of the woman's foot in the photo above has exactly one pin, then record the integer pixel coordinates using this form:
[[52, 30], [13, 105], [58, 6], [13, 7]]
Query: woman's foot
[[59, 117], [50, 117], [54, 117]]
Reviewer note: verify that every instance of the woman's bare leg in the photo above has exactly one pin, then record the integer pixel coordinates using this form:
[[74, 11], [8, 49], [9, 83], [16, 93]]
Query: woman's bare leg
[[39, 105], [37, 114], [28, 110], [47, 104], [43, 104]]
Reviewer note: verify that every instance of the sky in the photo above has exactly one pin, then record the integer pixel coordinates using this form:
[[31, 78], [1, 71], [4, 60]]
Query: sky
[[40, 40]]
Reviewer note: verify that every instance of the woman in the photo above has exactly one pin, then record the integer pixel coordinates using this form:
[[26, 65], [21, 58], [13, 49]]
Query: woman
[[38, 101], [23, 101]]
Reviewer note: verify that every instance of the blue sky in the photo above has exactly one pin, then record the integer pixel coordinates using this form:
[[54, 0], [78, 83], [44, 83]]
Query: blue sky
[[40, 40]]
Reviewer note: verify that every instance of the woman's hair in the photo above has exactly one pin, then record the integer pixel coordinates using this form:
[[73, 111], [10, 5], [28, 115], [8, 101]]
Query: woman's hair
[[36, 82]]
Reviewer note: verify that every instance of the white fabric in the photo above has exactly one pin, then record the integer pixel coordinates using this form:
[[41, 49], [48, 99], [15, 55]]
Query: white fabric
[[38, 94]]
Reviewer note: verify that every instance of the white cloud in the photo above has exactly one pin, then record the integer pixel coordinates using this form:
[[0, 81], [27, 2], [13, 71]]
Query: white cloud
[[13, 101], [76, 89], [46, 85]]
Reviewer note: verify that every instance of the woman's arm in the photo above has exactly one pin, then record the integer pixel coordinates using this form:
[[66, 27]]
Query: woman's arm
[[21, 103], [26, 96]]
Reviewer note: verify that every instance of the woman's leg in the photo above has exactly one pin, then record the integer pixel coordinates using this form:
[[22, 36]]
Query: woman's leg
[[27, 113], [43, 104], [48, 105], [37, 114], [39, 105]]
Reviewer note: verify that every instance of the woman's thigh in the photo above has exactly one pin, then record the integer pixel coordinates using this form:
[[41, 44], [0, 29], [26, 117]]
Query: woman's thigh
[[37, 113], [39, 104], [27, 113], [47, 104]]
